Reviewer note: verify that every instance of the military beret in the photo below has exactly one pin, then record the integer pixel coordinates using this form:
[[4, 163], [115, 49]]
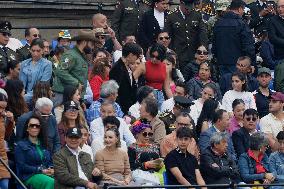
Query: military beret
[[5, 27], [182, 101]]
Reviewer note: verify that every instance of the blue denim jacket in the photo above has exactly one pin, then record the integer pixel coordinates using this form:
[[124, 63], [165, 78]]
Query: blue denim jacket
[[31, 73], [276, 165], [28, 159], [248, 170]]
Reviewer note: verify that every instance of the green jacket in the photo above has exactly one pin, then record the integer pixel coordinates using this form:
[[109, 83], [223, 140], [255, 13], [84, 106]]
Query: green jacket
[[66, 171], [72, 70]]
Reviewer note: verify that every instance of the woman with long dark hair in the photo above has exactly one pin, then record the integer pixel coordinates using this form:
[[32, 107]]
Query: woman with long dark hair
[[41, 89], [16, 102], [33, 160], [206, 116]]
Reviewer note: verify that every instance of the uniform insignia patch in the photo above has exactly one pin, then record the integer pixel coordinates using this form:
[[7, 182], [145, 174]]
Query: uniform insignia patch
[[12, 57], [65, 64], [128, 8]]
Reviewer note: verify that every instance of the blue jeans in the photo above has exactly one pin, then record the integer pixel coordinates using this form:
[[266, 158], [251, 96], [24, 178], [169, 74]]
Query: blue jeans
[[4, 183]]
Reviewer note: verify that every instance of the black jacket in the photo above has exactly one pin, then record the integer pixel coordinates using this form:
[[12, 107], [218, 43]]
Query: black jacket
[[232, 38], [226, 172], [148, 30], [126, 92], [241, 139], [276, 36]]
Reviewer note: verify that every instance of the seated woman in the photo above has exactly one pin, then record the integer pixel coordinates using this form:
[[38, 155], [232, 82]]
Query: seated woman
[[143, 155], [33, 160], [112, 163], [70, 118], [253, 165], [84, 144], [276, 161], [236, 122], [182, 167]]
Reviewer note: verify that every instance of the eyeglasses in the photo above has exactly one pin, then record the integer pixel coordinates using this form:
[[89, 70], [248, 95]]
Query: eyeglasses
[[45, 115], [183, 124], [251, 118], [5, 34], [200, 52], [35, 35], [34, 126], [100, 37], [165, 37], [72, 110], [149, 134]]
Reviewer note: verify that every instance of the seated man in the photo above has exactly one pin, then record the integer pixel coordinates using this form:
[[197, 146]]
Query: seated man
[[109, 90], [97, 126], [43, 108], [216, 165], [276, 161], [72, 167], [169, 142], [241, 137], [181, 166], [109, 122]]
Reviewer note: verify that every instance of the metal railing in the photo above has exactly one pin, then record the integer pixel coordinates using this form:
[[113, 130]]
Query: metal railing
[[227, 186]]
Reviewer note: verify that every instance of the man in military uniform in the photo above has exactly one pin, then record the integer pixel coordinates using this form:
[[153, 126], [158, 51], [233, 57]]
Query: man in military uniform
[[125, 19], [6, 54], [73, 67], [182, 104], [261, 12], [187, 31], [23, 53]]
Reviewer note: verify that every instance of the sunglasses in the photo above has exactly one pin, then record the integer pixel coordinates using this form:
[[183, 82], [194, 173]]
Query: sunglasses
[[100, 37], [149, 134], [35, 35], [45, 115], [251, 118], [200, 52], [34, 126], [72, 110], [183, 124], [6, 34], [166, 37]]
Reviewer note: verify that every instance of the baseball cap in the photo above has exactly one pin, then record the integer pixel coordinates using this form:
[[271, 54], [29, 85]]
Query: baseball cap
[[70, 105], [64, 34], [277, 96], [222, 5], [263, 70], [73, 133]]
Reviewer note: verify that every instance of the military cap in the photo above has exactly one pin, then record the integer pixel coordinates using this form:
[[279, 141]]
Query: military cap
[[222, 5], [182, 101], [188, 2], [64, 34], [85, 34], [5, 27]]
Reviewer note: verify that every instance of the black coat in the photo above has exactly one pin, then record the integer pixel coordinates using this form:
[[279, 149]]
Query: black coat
[[241, 139], [126, 92], [276, 36], [232, 38], [256, 21], [148, 30]]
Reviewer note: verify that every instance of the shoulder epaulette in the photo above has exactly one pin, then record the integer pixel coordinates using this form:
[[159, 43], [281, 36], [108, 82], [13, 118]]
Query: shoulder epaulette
[[147, 2], [172, 11], [164, 114]]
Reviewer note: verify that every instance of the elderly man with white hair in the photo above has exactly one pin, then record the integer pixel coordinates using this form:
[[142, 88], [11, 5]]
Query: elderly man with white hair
[[109, 92], [43, 109]]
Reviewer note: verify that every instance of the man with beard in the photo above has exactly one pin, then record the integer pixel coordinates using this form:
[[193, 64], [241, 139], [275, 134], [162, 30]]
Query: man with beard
[[73, 67]]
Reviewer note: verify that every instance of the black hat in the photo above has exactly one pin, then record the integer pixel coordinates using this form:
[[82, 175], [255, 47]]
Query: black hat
[[187, 2], [182, 102], [70, 105], [5, 27], [73, 133]]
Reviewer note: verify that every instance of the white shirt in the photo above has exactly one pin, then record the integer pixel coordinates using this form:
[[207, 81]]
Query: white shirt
[[97, 131], [86, 148], [231, 95], [195, 110], [134, 110], [80, 171], [271, 125], [168, 105], [160, 17], [14, 44]]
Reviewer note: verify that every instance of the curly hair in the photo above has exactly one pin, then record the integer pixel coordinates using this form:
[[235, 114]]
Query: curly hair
[[99, 68], [16, 102]]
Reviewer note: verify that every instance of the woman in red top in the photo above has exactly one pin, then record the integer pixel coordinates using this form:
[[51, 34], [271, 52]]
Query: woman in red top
[[155, 72], [98, 75]]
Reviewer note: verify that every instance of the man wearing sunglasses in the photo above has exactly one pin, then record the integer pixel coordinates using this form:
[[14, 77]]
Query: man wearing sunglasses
[[241, 137], [23, 53], [6, 54], [273, 123]]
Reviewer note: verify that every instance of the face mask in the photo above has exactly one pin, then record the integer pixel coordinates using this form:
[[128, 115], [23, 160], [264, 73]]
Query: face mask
[[88, 50]]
